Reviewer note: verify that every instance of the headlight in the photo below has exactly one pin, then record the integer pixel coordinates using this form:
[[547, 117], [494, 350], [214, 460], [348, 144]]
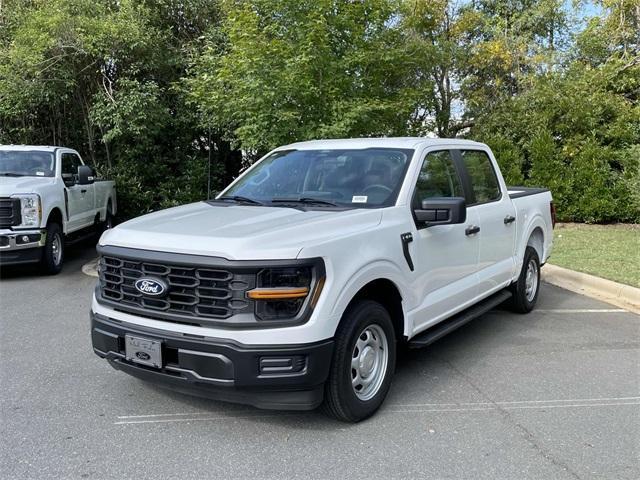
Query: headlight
[[283, 293], [30, 210]]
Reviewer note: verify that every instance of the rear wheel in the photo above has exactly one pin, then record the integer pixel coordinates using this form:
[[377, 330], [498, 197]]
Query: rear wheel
[[53, 254], [525, 289], [363, 363]]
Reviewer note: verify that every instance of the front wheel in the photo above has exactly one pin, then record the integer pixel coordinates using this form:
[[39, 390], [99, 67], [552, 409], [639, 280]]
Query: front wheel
[[525, 289], [363, 363], [108, 222], [53, 253]]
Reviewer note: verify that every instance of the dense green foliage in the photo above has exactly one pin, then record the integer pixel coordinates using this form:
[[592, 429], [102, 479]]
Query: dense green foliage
[[150, 90]]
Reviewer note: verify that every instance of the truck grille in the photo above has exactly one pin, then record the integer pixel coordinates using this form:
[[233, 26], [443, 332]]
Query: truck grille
[[9, 212], [195, 294]]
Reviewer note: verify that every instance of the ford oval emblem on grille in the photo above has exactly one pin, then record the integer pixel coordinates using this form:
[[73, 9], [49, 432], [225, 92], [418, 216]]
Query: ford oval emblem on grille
[[151, 286]]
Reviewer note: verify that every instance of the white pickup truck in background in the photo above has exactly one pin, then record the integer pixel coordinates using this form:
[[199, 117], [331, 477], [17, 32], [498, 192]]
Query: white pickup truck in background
[[48, 196], [293, 287]]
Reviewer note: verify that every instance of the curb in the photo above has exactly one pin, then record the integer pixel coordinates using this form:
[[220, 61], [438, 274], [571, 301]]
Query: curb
[[624, 296], [91, 268]]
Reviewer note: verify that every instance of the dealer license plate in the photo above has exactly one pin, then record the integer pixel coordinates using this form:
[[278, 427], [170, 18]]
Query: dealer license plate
[[143, 351]]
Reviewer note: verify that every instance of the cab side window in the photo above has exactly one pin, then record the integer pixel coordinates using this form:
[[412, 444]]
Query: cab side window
[[438, 178], [70, 164], [484, 182]]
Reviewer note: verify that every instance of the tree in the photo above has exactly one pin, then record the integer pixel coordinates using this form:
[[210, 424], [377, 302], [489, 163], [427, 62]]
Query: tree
[[292, 70], [103, 77]]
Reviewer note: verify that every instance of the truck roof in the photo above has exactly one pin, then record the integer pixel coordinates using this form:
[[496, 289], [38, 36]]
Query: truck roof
[[390, 142], [42, 148]]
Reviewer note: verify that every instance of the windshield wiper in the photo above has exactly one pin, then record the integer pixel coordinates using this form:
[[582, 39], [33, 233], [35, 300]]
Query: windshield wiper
[[11, 174], [306, 200], [240, 199]]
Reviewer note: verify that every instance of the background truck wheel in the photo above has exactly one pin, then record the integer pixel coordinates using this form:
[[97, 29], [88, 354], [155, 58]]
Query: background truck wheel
[[525, 290], [107, 223], [53, 254], [363, 363]]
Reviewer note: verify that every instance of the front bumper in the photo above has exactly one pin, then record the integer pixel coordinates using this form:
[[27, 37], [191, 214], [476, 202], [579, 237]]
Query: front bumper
[[21, 246], [283, 377]]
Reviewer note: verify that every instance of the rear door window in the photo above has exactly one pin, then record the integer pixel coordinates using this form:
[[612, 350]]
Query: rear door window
[[484, 182]]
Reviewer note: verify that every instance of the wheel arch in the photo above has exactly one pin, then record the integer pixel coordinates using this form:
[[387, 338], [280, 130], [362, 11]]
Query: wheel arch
[[536, 240], [55, 215], [385, 292]]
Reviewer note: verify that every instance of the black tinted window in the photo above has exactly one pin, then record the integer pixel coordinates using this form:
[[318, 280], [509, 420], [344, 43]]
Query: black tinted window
[[483, 179], [438, 177], [70, 164]]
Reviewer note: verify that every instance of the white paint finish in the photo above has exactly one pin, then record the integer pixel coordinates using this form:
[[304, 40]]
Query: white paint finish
[[238, 232], [358, 246], [446, 262], [83, 207]]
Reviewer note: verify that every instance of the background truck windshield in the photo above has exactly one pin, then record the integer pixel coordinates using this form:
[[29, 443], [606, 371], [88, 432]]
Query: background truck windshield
[[348, 178], [27, 163]]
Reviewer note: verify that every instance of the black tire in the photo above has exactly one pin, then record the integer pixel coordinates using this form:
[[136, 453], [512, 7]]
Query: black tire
[[523, 300], [340, 398], [53, 253]]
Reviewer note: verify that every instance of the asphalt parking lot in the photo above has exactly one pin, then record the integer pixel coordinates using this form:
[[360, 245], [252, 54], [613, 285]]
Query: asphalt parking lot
[[554, 394]]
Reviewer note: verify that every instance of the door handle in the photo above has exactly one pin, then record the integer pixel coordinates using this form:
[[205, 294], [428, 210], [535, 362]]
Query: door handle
[[84, 190], [472, 230], [509, 219]]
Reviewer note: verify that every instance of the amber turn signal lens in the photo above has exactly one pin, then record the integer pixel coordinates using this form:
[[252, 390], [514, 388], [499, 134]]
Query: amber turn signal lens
[[277, 293]]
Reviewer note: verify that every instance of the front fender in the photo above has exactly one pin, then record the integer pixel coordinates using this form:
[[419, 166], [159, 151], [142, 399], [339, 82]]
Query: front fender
[[380, 269]]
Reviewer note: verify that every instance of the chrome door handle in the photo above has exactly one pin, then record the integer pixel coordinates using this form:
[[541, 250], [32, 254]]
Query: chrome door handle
[[509, 219], [472, 230]]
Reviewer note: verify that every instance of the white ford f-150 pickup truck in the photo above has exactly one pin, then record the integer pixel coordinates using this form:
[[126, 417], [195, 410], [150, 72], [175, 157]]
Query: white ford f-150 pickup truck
[[294, 286], [48, 196]]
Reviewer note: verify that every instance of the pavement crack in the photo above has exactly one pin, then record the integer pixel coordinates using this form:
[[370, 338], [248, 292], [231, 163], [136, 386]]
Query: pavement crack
[[526, 434]]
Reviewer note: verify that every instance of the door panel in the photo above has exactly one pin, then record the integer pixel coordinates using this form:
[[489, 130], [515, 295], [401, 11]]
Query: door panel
[[81, 197], [445, 257], [494, 210]]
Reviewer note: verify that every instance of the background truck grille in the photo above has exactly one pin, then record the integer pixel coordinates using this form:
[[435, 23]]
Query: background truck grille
[[194, 292], [9, 212]]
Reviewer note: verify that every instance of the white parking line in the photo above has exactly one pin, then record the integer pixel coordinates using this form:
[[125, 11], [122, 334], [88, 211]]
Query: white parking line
[[580, 310], [397, 408], [122, 417], [515, 402], [514, 407]]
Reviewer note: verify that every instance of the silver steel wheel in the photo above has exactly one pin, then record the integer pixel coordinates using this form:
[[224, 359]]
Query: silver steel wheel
[[369, 362], [56, 249], [531, 280]]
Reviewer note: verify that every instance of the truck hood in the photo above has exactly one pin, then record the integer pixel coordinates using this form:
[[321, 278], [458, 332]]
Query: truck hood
[[11, 185], [238, 232]]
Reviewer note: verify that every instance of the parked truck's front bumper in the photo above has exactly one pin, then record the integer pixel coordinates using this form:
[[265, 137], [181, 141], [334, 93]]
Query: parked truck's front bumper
[[21, 246], [286, 377]]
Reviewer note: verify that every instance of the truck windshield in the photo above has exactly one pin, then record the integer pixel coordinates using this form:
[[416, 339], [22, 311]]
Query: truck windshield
[[26, 163], [364, 178]]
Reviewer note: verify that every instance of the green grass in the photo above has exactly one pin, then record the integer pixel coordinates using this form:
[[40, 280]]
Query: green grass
[[607, 251]]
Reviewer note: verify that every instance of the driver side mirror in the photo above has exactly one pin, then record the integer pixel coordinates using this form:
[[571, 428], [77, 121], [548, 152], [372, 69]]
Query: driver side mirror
[[441, 211], [85, 175]]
